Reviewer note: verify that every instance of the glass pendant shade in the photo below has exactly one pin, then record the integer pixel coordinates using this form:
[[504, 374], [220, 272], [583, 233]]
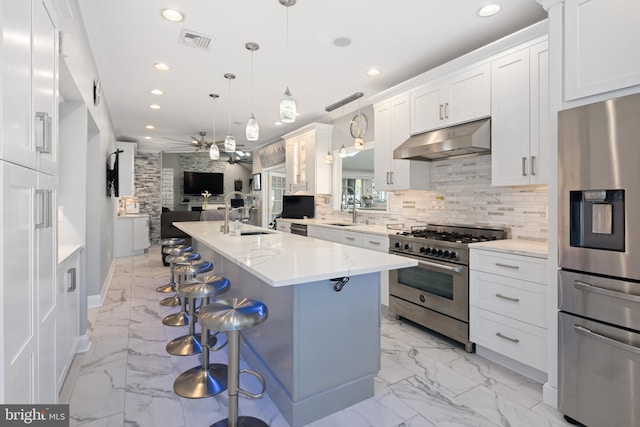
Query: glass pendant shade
[[229, 143], [252, 129], [343, 152], [287, 108], [358, 144], [328, 158], [214, 152]]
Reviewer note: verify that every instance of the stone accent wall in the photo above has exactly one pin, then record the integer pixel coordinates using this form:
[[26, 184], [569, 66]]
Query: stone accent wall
[[148, 183], [462, 194]]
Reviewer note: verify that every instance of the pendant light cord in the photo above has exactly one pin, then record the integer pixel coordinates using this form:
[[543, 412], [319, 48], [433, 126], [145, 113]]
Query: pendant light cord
[[253, 95], [286, 59], [229, 130]]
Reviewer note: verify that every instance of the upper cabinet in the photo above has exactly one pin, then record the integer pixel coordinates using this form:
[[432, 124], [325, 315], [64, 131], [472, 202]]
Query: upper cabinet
[[305, 150], [596, 60], [520, 117], [29, 85], [392, 128], [463, 97]]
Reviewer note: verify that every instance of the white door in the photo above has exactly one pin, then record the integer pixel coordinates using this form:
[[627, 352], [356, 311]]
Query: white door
[[275, 188]]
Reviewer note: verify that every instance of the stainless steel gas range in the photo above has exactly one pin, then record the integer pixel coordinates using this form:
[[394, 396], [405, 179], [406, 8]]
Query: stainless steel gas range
[[435, 294]]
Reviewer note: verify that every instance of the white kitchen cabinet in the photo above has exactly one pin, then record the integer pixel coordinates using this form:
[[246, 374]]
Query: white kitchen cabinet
[[323, 233], [305, 151], [507, 314], [597, 61], [126, 169], [520, 117], [283, 226], [68, 327], [391, 121], [351, 238], [132, 235], [460, 98], [29, 84]]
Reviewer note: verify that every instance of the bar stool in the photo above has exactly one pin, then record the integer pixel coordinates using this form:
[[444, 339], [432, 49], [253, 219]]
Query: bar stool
[[173, 241], [191, 269], [172, 250], [176, 260], [207, 288], [231, 316]]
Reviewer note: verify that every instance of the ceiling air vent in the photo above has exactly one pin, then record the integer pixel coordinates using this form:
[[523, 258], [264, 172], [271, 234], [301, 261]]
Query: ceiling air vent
[[195, 40]]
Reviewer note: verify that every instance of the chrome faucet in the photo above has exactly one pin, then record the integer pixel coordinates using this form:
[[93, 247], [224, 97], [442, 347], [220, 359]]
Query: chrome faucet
[[227, 208], [346, 189]]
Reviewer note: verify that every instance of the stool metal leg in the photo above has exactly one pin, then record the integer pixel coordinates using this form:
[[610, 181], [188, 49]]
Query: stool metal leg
[[189, 344], [171, 286], [233, 377], [173, 301], [204, 380], [181, 318]]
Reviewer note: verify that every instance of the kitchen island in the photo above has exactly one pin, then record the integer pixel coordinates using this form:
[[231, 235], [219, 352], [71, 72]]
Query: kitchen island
[[319, 350]]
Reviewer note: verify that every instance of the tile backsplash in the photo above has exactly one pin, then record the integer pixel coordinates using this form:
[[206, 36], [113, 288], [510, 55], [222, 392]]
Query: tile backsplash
[[462, 194]]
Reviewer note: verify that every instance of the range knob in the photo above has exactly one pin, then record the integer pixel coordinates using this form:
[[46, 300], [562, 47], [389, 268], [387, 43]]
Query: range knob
[[440, 252], [423, 250], [407, 246], [453, 255], [446, 254], [397, 245], [427, 250]]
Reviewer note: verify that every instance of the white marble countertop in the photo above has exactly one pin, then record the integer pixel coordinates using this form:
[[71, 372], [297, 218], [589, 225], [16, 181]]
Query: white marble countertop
[[283, 259], [515, 246], [66, 250], [361, 228]]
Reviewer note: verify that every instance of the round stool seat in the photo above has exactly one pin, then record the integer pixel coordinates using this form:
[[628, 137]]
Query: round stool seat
[[194, 267], [173, 241], [176, 250], [233, 314], [186, 257], [207, 287]]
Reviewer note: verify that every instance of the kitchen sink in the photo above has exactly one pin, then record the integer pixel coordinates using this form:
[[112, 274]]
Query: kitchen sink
[[342, 224], [254, 232]]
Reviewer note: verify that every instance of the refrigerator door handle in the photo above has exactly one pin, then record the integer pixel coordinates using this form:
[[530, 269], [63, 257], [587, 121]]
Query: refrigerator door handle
[[584, 286], [606, 340]]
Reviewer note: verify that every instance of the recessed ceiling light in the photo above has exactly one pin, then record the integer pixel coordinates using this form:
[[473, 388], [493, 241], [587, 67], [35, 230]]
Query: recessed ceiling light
[[172, 15], [147, 137], [278, 123], [156, 92], [149, 127], [373, 72], [154, 106], [342, 41], [161, 67], [489, 10]]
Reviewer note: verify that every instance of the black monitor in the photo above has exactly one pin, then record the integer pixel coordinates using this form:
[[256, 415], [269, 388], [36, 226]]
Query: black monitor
[[298, 207]]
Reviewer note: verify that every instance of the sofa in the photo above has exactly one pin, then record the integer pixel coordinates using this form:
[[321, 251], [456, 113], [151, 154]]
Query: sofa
[[168, 230]]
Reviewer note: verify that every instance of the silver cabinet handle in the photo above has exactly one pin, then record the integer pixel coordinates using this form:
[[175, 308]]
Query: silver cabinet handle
[[307, 185], [508, 298], [440, 114], [43, 135], [584, 286], [446, 110], [533, 165], [606, 340], [504, 337], [387, 177], [43, 211], [515, 267], [374, 242], [71, 273], [350, 238], [391, 175], [524, 166]]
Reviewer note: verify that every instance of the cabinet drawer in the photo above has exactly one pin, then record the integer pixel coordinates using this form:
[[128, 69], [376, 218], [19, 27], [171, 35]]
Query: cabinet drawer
[[324, 233], [517, 299], [351, 238], [509, 265], [517, 340], [375, 242]]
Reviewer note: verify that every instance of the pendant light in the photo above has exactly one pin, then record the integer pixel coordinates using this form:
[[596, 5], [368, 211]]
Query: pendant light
[[342, 152], [252, 129], [329, 157], [229, 141], [358, 127], [214, 151], [288, 109]]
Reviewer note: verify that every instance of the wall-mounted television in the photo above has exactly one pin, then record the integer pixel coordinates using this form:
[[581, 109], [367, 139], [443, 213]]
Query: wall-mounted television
[[195, 183], [298, 207]]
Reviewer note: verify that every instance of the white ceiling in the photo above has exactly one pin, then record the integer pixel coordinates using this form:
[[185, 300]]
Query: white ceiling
[[402, 38]]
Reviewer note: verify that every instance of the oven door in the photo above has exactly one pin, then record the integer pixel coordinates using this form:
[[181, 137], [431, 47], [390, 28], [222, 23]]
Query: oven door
[[437, 285]]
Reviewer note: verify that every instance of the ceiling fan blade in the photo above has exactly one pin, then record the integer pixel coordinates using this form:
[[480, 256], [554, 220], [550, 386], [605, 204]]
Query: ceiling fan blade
[[179, 140]]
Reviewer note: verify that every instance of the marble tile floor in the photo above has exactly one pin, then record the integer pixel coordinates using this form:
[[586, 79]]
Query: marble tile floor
[[126, 377]]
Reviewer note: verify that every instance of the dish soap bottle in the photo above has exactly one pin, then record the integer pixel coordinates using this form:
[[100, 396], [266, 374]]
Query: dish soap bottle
[[236, 227]]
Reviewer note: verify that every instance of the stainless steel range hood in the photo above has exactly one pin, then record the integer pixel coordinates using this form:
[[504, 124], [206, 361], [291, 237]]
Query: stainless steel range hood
[[469, 139]]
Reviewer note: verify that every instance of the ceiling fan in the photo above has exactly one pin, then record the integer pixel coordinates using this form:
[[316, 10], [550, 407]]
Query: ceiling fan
[[239, 156]]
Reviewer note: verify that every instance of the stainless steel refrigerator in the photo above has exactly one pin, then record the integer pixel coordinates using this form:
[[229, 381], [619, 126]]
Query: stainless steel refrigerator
[[599, 257]]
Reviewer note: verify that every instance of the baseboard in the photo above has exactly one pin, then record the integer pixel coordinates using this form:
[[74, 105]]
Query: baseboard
[[550, 395], [512, 364], [97, 300], [84, 344]]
